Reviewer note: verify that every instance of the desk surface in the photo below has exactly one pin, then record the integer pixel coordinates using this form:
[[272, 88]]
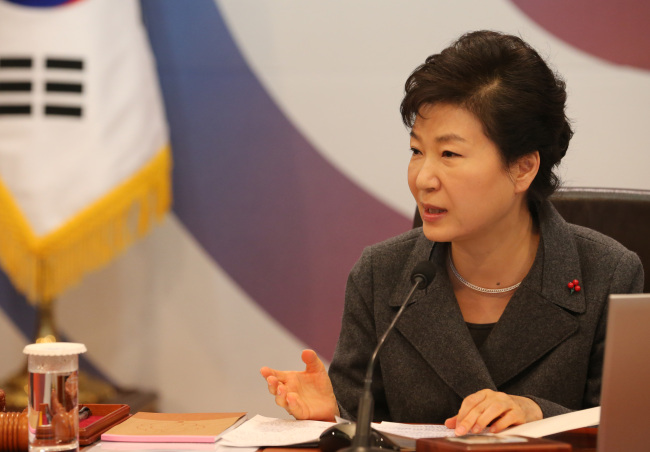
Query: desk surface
[[581, 440]]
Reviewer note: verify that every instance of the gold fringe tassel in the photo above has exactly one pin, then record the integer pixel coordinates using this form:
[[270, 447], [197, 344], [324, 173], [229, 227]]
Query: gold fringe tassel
[[42, 268]]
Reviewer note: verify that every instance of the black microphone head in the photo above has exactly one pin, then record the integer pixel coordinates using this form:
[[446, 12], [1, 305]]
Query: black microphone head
[[423, 274]]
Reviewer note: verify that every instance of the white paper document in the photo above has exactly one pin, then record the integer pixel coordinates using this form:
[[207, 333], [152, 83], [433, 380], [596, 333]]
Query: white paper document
[[263, 431], [415, 431], [556, 424]]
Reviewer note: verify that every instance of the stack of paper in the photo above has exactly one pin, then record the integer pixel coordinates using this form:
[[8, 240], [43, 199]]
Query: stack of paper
[[263, 431]]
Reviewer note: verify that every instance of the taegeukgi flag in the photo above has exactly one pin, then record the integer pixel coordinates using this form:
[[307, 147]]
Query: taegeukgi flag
[[84, 154]]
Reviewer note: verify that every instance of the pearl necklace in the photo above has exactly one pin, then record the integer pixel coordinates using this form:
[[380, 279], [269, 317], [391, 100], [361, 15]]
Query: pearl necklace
[[475, 287]]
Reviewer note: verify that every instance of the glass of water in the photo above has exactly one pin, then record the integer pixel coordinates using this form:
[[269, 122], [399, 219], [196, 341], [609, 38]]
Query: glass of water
[[53, 409]]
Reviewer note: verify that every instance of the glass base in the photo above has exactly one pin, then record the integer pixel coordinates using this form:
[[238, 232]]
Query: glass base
[[68, 447]]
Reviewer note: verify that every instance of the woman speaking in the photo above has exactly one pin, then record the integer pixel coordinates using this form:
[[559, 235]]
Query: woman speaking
[[512, 328]]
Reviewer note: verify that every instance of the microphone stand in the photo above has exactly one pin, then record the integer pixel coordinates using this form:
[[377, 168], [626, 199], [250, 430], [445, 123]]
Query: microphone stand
[[361, 441]]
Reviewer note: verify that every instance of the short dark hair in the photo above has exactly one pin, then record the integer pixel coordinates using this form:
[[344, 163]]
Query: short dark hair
[[509, 87]]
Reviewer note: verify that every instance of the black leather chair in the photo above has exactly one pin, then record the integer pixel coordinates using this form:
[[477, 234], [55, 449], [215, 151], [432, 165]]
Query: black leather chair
[[623, 214]]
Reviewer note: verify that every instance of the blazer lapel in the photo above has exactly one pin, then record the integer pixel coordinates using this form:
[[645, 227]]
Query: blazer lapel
[[538, 318], [434, 325], [530, 327], [540, 315]]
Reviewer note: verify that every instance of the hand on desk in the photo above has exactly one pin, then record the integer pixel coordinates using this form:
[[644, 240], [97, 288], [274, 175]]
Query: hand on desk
[[304, 394], [308, 394], [487, 407]]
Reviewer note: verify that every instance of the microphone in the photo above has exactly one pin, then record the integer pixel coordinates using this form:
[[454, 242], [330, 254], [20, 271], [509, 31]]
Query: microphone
[[421, 277]]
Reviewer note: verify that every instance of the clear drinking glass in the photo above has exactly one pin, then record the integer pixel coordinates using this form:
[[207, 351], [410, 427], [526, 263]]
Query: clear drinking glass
[[53, 410]]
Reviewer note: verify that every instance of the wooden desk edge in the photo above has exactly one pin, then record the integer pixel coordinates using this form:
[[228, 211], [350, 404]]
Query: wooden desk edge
[[581, 440]]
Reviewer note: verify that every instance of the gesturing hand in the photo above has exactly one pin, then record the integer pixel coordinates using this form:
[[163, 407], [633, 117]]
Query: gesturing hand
[[304, 394], [496, 409]]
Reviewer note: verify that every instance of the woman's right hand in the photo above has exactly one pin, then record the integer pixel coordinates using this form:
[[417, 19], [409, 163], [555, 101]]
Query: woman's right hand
[[304, 394]]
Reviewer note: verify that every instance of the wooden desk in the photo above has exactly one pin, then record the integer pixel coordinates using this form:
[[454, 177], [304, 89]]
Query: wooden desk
[[581, 440]]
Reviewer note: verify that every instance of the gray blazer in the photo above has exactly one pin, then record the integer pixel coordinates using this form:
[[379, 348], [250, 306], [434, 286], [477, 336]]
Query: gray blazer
[[548, 344]]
